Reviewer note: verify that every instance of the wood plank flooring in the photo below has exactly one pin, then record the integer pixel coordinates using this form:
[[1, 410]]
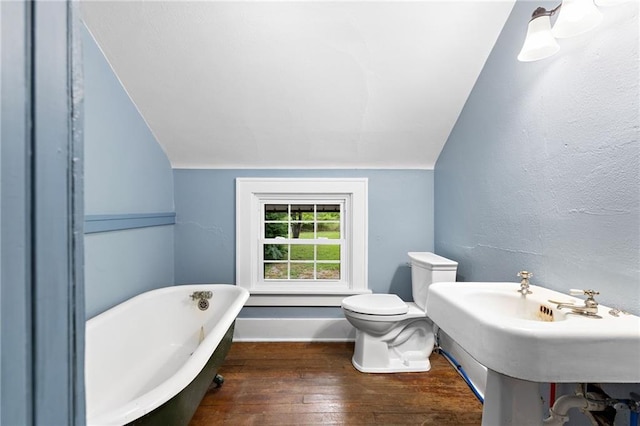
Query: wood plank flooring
[[315, 383]]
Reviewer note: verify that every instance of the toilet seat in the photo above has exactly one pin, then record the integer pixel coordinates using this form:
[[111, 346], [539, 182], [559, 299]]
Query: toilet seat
[[376, 304]]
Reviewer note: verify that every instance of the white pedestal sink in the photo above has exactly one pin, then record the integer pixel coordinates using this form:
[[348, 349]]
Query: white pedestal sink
[[526, 340]]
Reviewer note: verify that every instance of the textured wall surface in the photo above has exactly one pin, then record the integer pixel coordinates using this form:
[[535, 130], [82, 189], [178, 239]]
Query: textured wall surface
[[400, 220], [126, 172], [541, 171]]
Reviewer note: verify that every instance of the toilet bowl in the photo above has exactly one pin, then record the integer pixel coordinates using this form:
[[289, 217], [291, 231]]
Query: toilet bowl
[[392, 335]]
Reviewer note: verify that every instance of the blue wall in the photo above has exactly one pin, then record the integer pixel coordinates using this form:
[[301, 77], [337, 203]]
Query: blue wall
[[400, 220], [541, 171], [126, 172]]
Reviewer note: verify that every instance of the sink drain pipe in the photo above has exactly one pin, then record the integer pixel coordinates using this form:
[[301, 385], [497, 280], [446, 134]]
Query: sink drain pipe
[[559, 413]]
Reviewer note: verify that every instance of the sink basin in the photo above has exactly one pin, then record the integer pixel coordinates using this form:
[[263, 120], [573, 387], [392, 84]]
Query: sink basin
[[528, 338]]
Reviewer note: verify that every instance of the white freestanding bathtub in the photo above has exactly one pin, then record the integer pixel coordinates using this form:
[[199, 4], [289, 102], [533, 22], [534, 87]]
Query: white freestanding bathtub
[[151, 359]]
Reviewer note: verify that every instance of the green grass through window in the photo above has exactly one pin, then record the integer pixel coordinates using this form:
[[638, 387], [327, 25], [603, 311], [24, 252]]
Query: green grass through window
[[302, 252], [325, 252]]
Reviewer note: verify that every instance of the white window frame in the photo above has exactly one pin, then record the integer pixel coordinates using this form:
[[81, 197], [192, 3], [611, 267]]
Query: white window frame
[[251, 195]]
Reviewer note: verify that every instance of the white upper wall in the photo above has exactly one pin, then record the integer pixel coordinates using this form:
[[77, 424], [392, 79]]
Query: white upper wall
[[308, 84]]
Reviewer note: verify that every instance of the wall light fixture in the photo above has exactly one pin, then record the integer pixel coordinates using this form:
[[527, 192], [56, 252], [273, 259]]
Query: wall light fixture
[[574, 17]]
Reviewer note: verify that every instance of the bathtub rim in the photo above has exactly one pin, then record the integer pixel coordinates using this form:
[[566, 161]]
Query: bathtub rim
[[162, 393]]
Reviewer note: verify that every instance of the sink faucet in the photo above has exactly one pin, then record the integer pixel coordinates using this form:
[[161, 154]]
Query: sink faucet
[[524, 284], [590, 307]]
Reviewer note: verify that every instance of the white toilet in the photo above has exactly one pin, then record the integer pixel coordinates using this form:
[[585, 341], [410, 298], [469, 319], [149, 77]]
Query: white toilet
[[394, 336]]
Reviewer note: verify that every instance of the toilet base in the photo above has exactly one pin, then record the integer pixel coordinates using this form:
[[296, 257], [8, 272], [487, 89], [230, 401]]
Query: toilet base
[[405, 349], [395, 366]]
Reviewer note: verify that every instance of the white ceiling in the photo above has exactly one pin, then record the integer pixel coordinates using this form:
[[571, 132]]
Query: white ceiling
[[298, 84]]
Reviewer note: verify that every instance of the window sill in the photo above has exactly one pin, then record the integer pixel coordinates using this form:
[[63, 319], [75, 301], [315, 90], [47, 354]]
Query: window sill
[[271, 298]]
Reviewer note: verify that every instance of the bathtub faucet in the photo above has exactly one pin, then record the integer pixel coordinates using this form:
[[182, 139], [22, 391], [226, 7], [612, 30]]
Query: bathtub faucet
[[203, 299], [199, 295]]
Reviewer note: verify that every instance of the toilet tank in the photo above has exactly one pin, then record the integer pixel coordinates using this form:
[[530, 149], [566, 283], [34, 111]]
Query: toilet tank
[[428, 268]]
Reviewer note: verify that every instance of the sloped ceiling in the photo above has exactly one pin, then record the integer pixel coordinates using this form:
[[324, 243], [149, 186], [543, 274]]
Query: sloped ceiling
[[298, 84]]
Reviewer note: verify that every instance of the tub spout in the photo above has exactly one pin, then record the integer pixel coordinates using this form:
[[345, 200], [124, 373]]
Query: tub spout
[[198, 295]]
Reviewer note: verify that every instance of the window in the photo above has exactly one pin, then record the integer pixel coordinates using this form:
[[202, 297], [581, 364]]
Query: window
[[301, 242]]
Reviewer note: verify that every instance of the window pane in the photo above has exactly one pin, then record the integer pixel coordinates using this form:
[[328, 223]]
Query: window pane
[[301, 230], [328, 211], [273, 230], [276, 212], [302, 271], [328, 230], [328, 252], [306, 230], [275, 252], [275, 271], [301, 252], [328, 271], [302, 212]]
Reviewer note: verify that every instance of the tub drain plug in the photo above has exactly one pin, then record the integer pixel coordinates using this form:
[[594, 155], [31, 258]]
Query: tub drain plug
[[203, 304]]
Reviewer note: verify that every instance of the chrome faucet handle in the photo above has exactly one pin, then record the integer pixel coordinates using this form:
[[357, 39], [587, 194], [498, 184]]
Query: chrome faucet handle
[[588, 293], [524, 284], [590, 302], [590, 307], [525, 275]]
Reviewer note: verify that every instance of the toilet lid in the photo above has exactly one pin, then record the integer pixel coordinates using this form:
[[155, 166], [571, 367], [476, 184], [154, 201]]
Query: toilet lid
[[375, 304]]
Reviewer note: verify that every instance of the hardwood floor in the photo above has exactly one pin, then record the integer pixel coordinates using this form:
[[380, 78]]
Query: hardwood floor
[[315, 383]]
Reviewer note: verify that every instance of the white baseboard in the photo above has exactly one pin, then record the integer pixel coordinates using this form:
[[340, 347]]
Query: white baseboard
[[293, 330]]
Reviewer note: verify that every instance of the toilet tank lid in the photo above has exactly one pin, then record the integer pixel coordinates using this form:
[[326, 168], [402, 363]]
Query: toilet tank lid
[[432, 261], [375, 304]]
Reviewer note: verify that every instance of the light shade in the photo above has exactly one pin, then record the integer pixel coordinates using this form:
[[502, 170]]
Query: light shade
[[539, 43], [576, 17]]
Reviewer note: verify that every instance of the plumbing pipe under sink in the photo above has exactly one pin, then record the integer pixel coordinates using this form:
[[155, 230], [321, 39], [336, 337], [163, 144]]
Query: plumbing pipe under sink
[[590, 402], [559, 412]]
